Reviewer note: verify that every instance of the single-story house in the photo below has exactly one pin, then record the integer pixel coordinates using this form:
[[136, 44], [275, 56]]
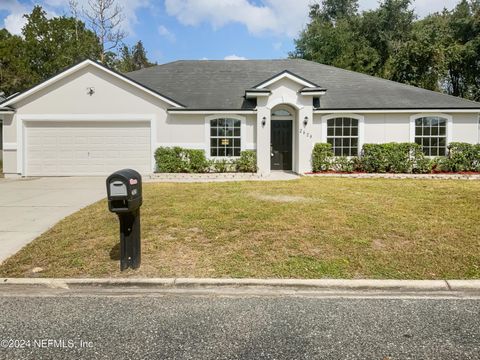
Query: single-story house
[[91, 120]]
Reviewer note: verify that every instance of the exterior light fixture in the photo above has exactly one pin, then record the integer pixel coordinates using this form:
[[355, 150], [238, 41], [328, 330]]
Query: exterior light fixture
[[305, 121], [264, 121], [90, 91]]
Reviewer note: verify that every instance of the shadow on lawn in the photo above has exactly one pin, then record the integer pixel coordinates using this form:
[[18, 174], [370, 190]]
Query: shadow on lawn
[[115, 252]]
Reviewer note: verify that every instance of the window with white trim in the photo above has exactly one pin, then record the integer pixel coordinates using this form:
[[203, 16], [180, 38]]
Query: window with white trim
[[431, 134], [225, 137], [342, 133]]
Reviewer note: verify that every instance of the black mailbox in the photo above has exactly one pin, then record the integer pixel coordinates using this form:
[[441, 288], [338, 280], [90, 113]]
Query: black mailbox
[[124, 192]]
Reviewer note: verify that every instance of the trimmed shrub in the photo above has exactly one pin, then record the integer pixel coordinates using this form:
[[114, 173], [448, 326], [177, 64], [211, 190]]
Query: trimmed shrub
[[223, 166], [176, 160], [423, 166], [357, 164], [195, 160], [461, 157], [322, 157], [343, 164], [394, 158], [169, 160], [375, 158], [247, 162]]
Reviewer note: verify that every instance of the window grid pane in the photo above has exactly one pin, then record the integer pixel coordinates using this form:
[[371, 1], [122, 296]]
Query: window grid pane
[[431, 134], [225, 137], [342, 134]]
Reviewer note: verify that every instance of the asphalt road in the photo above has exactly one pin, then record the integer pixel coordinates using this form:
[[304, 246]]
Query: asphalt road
[[209, 326]]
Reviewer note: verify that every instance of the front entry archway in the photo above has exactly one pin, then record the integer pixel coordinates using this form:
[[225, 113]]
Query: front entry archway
[[281, 139]]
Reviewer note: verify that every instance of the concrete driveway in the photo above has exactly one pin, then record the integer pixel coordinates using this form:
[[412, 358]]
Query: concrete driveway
[[29, 207]]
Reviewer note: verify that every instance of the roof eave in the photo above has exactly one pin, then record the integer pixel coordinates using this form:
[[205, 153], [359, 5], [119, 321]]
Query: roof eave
[[210, 111], [397, 110]]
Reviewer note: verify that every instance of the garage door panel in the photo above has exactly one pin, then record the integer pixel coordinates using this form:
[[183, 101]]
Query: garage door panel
[[87, 148]]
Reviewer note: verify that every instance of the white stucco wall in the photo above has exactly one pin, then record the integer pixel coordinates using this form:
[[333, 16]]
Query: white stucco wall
[[382, 128], [466, 128]]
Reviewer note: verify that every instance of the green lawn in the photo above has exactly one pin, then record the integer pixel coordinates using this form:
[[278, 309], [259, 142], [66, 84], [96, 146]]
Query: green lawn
[[307, 228]]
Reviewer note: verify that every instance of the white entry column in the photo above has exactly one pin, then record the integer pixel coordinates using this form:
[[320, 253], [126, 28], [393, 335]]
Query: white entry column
[[263, 137]]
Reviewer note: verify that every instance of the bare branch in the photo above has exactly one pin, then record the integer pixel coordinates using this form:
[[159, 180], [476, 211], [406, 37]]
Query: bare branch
[[105, 18]]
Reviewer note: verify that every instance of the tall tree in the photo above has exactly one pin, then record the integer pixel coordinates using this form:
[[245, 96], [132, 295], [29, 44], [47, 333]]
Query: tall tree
[[420, 61], [53, 44], [105, 18], [47, 47], [443, 52], [333, 37], [15, 72], [333, 10], [385, 29], [439, 52], [125, 62], [133, 59], [139, 56]]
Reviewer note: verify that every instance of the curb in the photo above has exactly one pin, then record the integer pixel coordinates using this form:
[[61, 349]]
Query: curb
[[316, 284]]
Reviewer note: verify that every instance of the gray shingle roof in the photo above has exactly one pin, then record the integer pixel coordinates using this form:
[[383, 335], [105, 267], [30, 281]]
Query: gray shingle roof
[[221, 84]]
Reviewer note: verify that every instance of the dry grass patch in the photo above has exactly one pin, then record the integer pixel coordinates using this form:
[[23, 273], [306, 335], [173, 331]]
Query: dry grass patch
[[308, 228]]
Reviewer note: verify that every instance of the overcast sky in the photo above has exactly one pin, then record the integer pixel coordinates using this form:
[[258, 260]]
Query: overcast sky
[[206, 29]]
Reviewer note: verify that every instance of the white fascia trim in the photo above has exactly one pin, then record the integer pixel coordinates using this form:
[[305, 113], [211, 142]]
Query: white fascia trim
[[255, 94], [81, 66], [313, 93], [6, 112], [420, 115], [243, 132], [288, 76], [361, 127], [23, 120], [207, 112], [9, 146], [425, 111], [86, 117]]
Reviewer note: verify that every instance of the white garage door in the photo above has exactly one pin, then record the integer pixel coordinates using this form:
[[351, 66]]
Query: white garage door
[[86, 148]]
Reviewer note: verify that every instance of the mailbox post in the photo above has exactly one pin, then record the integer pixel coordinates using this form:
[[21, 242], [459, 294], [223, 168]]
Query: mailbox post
[[124, 190]]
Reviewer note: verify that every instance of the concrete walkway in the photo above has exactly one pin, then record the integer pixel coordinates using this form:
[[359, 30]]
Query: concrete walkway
[[29, 207]]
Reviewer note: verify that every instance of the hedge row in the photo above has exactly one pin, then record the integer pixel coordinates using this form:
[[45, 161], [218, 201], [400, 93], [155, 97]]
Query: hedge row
[[398, 158], [180, 160]]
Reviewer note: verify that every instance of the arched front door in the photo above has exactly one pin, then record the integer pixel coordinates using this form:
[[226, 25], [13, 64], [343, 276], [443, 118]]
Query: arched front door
[[281, 139]]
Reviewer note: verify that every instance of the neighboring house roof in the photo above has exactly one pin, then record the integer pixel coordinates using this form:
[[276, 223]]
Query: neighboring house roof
[[221, 84], [72, 69]]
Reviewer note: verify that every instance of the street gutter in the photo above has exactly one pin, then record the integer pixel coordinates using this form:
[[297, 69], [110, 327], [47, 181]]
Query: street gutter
[[314, 284]]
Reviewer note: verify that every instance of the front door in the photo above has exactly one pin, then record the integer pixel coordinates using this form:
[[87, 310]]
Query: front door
[[281, 147]]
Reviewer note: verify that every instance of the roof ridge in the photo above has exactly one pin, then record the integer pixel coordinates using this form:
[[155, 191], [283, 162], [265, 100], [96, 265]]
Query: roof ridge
[[150, 67], [221, 60]]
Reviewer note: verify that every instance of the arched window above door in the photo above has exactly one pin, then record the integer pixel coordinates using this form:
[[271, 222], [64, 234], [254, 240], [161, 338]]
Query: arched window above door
[[281, 112]]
